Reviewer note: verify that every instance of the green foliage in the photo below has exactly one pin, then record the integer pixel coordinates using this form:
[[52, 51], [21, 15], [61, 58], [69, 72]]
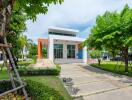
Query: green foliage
[[16, 27], [25, 63], [33, 51], [25, 71], [95, 54], [110, 66], [44, 52], [5, 86], [20, 11], [113, 31], [36, 90], [34, 7]]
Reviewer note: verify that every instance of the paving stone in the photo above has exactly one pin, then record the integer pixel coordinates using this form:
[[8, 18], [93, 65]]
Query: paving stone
[[95, 87], [121, 94], [94, 84]]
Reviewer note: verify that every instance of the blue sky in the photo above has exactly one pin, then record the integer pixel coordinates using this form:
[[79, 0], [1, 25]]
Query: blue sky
[[75, 14]]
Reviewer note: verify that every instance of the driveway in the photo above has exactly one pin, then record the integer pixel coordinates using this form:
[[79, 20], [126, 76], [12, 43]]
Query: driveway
[[88, 83]]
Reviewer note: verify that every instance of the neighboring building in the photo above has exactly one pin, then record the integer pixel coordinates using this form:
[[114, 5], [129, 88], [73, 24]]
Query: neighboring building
[[63, 46]]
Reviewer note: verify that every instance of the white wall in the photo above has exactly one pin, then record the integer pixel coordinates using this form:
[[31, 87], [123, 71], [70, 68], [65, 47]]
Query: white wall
[[65, 40], [85, 54], [51, 50]]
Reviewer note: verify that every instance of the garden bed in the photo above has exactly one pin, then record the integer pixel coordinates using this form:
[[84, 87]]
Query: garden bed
[[35, 90]]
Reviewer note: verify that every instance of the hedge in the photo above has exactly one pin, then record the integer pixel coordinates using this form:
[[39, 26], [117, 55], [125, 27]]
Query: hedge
[[35, 90], [25, 71], [24, 63]]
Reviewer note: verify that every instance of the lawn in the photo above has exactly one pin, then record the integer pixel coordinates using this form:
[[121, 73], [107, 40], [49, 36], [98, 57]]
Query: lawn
[[51, 81], [110, 66]]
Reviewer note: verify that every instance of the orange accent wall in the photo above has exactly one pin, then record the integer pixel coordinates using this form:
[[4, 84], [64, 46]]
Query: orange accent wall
[[41, 42]]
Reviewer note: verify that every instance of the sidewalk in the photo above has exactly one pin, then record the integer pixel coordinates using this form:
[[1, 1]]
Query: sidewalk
[[94, 84]]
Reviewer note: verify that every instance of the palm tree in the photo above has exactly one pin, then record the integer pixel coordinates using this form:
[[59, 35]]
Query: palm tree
[[25, 45]]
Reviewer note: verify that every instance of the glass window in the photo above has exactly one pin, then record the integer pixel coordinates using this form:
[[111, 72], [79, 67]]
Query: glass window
[[70, 51], [58, 50]]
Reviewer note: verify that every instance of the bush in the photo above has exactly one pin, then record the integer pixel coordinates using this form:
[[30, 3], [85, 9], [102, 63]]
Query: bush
[[25, 71], [38, 91], [24, 63], [35, 90]]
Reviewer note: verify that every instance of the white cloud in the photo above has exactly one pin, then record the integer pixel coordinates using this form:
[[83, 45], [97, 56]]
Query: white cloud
[[72, 12]]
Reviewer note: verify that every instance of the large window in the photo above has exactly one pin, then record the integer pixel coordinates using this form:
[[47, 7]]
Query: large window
[[58, 50], [70, 51]]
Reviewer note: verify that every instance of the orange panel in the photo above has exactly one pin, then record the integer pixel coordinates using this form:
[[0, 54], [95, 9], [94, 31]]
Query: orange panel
[[41, 42]]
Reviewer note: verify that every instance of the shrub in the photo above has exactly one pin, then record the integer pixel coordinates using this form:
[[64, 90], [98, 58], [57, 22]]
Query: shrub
[[35, 90], [25, 71], [25, 63], [38, 91]]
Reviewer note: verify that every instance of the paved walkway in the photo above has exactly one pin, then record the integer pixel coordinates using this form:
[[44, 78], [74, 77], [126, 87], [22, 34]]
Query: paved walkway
[[88, 83], [43, 63]]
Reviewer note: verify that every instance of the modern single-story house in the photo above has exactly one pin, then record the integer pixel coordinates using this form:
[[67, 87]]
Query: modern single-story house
[[63, 46]]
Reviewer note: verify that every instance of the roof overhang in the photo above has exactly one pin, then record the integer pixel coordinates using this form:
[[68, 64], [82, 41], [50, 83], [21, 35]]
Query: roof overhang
[[62, 30], [66, 38]]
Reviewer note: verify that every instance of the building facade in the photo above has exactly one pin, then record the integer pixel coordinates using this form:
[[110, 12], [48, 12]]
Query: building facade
[[63, 46]]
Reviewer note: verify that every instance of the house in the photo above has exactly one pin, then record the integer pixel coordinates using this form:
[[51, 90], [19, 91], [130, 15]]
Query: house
[[63, 46]]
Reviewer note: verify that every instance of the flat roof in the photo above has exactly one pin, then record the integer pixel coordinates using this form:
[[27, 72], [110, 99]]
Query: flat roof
[[62, 30], [67, 38]]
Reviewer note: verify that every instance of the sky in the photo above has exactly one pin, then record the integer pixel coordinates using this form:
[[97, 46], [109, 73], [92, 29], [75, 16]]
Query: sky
[[74, 14]]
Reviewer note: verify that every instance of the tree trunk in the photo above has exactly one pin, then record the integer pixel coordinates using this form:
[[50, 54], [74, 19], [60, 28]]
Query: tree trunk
[[99, 61], [22, 56], [126, 59]]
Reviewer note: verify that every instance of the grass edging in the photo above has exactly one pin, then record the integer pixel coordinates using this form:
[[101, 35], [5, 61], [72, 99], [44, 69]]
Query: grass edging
[[112, 71]]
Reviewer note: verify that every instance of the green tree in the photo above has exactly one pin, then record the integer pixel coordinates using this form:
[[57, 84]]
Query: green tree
[[17, 27], [33, 50], [30, 8], [96, 54], [113, 31], [25, 44]]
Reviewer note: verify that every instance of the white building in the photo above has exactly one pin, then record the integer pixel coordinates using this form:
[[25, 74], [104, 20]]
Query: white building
[[63, 46]]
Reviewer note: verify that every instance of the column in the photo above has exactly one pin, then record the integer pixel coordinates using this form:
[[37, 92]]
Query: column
[[64, 50], [39, 50], [85, 54], [51, 50]]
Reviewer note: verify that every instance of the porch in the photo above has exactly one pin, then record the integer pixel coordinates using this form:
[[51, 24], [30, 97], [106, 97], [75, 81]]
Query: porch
[[63, 49]]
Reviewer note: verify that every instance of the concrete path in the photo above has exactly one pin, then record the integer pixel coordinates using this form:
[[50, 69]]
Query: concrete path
[[43, 63], [88, 83]]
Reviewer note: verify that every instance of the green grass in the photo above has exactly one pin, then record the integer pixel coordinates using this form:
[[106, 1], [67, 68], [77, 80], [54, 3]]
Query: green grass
[[110, 66], [3, 74], [51, 81]]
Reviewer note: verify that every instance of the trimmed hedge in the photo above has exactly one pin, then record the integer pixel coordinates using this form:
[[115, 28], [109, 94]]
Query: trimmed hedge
[[35, 90], [38, 91], [24, 63], [25, 71]]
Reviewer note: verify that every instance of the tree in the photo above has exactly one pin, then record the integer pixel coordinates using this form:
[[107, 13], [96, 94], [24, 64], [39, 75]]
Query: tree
[[33, 50], [113, 31], [17, 27], [25, 44], [31, 8], [96, 54]]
